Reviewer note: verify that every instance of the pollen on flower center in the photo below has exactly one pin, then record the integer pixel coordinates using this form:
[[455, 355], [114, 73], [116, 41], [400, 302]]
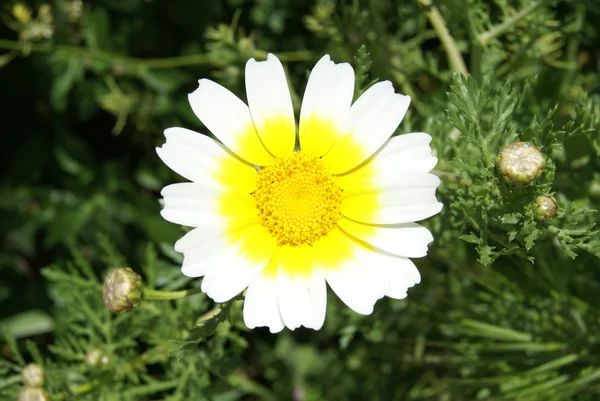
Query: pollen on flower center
[[297, 199]]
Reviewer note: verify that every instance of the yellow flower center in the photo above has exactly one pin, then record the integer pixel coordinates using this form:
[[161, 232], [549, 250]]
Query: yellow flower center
[[297, 199]]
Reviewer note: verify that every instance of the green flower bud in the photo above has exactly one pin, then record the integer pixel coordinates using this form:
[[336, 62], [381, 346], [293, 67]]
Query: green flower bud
[[21, 13], [520, 163], [545, 208], [32, 375], [122, 289], [33, 394]]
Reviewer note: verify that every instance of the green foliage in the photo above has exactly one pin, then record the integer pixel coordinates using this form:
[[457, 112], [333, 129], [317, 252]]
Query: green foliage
[[508, 306], [502, 215]]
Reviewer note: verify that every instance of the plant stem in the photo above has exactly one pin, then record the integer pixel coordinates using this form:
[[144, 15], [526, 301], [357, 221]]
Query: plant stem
[[455, 59], [476, 50], [573, 49], [208, 315], [499, 29], [151, 63], [155, 295]]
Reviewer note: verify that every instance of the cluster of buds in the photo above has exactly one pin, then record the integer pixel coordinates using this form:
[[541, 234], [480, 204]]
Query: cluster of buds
[[95, 357], [32, 377], [520, 164], [122, 289], [42, 27]]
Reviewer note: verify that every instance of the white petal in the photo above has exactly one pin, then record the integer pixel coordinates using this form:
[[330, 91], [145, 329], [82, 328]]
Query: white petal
[[402, 160], [407, 152], [394, 275], [197, 261], [386, 180], [372, 120], [190, 204], [408, 239], [354, 284], [228, 118], [205, 241], [260, 306], [203, 160], [271, 105], [197, 206], [318, 300], [325, 105], [239, 263], [403, 205], [194, 205], [302, 293], [294, 299], [402, 274]]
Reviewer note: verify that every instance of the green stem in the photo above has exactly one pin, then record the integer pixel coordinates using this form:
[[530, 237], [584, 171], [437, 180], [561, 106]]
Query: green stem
[[476, 50], [455, 59], [573, 49], [85, 387], [499, 29], [155, 295], [145, 389], [208, 315], [152, 63]]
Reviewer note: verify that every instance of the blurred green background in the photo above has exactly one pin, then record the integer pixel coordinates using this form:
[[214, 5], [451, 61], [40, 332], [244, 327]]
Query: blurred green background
[[505, 310]]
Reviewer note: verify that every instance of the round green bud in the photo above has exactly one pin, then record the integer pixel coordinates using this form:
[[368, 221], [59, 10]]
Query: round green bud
[[545, 208], [33, 394], [520, 163], [32, 375], [122, 289]]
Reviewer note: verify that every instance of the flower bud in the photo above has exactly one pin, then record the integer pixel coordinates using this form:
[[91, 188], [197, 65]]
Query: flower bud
[[73, 10], [21, 13], [45, 13], [94, 357], [545, 208], [33, 394], [520, 163], [122, 289], [32, 375]]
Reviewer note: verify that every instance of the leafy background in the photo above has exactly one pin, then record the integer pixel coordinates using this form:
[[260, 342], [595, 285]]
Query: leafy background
[[508, 306]]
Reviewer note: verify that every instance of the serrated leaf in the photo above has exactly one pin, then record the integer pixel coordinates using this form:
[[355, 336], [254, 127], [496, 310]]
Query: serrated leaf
[[68, 223], [61, 86], [96, 29], [470, 238]]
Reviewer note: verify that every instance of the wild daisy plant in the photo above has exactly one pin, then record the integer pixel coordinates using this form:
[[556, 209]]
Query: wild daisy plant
[[304, 198]]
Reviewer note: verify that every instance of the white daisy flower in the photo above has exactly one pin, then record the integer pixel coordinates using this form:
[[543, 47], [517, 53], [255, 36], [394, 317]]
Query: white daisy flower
[[283, 221]]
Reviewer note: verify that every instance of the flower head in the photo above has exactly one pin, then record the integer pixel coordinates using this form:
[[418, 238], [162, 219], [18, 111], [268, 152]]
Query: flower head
[[122, 289], [520, 163], [32, 375], [545, 208], [33, 394], [281, 220]]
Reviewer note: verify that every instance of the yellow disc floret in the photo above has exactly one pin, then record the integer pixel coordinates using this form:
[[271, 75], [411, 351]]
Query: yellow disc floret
[[297, 199]]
